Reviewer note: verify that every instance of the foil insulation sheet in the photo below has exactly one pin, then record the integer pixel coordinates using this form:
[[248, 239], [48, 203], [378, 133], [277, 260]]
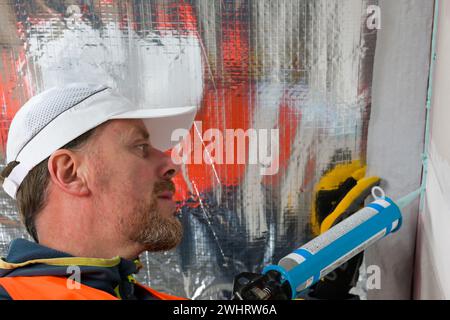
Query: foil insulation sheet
[[302, 68]]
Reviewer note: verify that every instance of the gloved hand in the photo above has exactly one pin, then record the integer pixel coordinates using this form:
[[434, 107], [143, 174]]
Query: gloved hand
[[339, 193]]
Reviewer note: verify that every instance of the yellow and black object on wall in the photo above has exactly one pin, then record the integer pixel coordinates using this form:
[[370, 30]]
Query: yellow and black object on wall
[[339, 193]]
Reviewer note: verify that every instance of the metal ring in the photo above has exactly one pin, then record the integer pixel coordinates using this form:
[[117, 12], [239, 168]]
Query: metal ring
[[380, 190]]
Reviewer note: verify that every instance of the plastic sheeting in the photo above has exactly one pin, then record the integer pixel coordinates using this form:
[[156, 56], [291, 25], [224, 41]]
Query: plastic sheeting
[[431, 278], [396, 133], [302, 67]]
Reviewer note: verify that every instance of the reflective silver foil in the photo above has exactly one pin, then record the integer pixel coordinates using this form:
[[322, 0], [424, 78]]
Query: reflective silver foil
[[301, 66]]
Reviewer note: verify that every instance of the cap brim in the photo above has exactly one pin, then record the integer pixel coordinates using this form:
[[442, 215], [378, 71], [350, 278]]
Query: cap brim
[[161, 124]]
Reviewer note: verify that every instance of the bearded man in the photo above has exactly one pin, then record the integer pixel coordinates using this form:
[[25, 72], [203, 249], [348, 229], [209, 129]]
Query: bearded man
[[94, 188]]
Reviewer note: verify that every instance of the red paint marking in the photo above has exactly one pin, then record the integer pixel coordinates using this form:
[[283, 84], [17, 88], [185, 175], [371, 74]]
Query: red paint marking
[[310, 173], [13, 88], [288, 120], [177, 17]]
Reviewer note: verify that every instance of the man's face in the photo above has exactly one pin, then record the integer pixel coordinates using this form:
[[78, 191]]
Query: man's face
[[131, 185]]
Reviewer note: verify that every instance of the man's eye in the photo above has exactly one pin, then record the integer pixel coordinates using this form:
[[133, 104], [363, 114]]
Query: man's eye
[[144, 148]]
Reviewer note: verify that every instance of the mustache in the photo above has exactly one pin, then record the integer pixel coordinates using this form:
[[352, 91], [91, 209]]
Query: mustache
[[162, 186]]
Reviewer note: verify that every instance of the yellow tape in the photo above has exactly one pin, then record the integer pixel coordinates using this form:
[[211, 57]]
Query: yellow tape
[[332, 180], [69, 261], [348, 200]]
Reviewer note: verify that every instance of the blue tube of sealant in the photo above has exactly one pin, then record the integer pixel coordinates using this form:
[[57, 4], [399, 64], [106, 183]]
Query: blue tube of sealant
[[308, 264]]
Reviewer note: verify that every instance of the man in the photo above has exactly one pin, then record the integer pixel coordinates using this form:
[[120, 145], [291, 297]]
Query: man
[[93, 187]]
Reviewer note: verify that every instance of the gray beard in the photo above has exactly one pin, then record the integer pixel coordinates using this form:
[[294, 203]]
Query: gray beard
[[156, 232]]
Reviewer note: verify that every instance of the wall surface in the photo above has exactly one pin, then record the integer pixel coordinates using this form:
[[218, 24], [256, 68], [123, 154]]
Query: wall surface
[[432, 277], [395, 142]]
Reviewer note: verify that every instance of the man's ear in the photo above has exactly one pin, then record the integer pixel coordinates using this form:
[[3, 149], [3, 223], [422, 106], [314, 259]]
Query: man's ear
[[65, 171]]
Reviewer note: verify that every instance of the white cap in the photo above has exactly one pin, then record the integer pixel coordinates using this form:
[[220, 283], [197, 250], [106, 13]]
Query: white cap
[[53, 118]]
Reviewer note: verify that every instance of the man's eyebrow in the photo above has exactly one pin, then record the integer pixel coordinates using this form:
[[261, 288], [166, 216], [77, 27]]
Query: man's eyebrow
[[139, 131]]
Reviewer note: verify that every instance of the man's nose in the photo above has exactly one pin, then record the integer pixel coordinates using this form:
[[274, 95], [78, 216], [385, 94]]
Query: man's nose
[[168, 168]]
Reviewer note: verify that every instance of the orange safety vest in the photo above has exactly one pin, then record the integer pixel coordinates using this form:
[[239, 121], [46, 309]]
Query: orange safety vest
[[55, 288]]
